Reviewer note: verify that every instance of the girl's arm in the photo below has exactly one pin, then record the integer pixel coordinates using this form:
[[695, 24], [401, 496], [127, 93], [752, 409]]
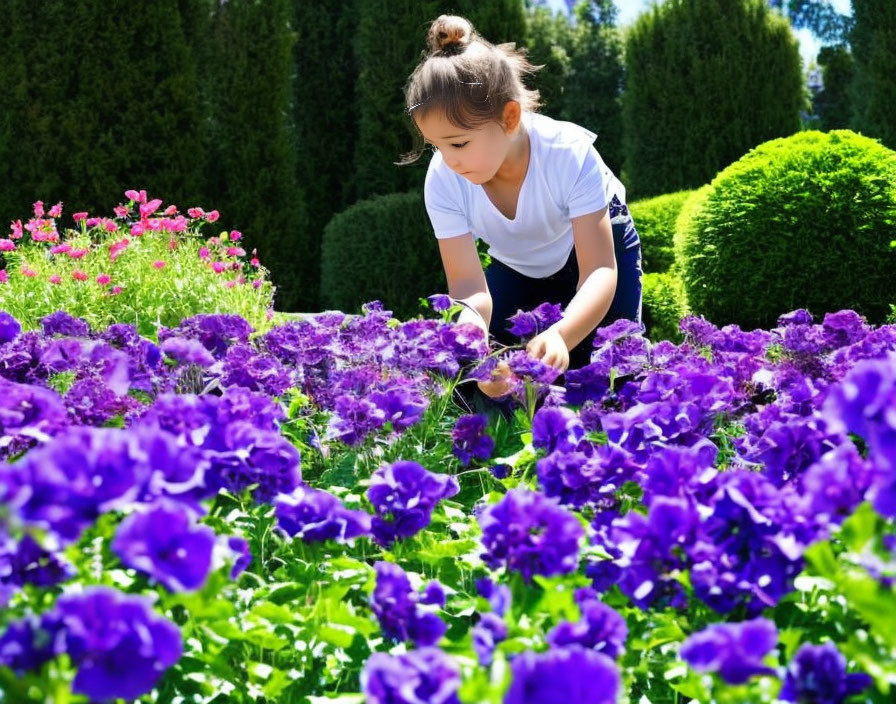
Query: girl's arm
[[466, 280], [593, 237]]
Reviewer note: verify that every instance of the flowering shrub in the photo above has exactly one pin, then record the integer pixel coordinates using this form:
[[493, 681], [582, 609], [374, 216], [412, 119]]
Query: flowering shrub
[[309, 514], [148, 265]]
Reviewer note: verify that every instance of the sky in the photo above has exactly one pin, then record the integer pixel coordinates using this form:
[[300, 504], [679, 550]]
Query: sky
[[630, 9]]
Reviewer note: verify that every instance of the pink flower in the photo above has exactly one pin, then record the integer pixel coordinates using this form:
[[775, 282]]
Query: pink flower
[[28, 271], [121, 210], [137, 197], [235, 251], [103, 279], [219, 267], [170, 210], [235, 236], [256, 283], [39, 209], [7, 245], [91, 222], [15, 229], [172, 244], [78, 217], [60, 248], [254, 262], [77, 253], [137, 229], [230, 284], [195, 212], [115, 290], [4, 277], [203, 252], [55, 279], [147, 209], [110, 226], [79, 275], [212, 216], [56, 210], [158, 264]]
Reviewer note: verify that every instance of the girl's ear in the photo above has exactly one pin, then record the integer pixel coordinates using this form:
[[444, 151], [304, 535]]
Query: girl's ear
[[511, 116]]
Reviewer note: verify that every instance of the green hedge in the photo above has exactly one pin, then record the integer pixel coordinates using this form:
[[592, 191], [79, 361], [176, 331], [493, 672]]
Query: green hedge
[[705, 82], [804, 221], [663, 306], [655, 219], [382, 249]]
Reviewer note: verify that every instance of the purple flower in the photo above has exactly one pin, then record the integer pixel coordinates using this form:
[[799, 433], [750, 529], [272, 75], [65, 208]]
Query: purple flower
[[239, 547], [9, 328], [245, 366], [734, 650], [528, 323], [425, 675], [401, 406], [119, 645], [29, 643], [439, 302], [354, 419], [843, 328], [395, 604], [28, 415], [316, 515], [864, 403], [817, 674], [61, 323], [215, 331], [188, 351], [27, 562], [529, 533], [556, 428], [404, 494], [498, 595], [486, 634], [800, 316], [471, 440], [572, 675], [601, 629], [164, 543]]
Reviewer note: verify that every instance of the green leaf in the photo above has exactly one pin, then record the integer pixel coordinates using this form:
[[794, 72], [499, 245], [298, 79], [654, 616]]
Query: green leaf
[[273, 613]]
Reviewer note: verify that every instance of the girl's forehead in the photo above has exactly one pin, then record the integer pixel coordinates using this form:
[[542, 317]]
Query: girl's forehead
[[435, 125]]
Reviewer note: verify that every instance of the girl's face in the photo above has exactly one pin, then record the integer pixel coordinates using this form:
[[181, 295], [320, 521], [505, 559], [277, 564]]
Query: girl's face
[[474, 154]]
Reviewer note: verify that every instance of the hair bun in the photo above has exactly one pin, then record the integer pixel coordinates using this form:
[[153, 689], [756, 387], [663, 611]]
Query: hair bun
[[449, 32]]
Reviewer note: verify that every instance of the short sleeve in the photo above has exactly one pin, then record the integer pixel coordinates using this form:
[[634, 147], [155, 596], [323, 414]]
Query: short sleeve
[[588, 194], [444, 204]]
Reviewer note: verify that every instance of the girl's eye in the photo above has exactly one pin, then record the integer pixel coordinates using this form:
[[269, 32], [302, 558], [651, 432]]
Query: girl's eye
[[460, 146]]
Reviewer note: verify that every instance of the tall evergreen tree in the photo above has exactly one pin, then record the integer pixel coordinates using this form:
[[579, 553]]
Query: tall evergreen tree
[[873, 41], [832, 103], [98, 98], [253, 142], [593, 88], [706, 80], [325, 120]]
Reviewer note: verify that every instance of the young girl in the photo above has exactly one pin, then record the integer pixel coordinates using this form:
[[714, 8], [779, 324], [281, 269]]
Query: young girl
[[533, 188]]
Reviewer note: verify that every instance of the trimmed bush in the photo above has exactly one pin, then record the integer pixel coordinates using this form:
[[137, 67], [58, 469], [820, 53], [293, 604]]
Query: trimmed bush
[[382, 249], [663, 306], [804, 221], [705, 82], [655, 221]]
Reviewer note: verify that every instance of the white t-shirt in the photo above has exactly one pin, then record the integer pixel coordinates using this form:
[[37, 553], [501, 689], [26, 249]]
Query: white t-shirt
[[566, 178]]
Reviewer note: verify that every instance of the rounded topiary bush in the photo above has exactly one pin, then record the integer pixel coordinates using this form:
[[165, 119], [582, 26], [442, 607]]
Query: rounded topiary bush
[[382, 249], [800, 222], [663, 306], [655, 219]]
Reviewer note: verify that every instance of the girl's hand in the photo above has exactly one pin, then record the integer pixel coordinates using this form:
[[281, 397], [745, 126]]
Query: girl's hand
[[500, 385], [550, 348]]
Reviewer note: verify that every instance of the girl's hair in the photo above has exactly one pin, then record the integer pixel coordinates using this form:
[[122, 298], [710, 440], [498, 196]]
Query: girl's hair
[[467, 77]]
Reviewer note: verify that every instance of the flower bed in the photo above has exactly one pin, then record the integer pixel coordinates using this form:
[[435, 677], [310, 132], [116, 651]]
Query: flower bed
[[310, 514]]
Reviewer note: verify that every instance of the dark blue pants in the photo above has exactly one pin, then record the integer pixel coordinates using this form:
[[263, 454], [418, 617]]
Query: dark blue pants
[[512, 291]]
